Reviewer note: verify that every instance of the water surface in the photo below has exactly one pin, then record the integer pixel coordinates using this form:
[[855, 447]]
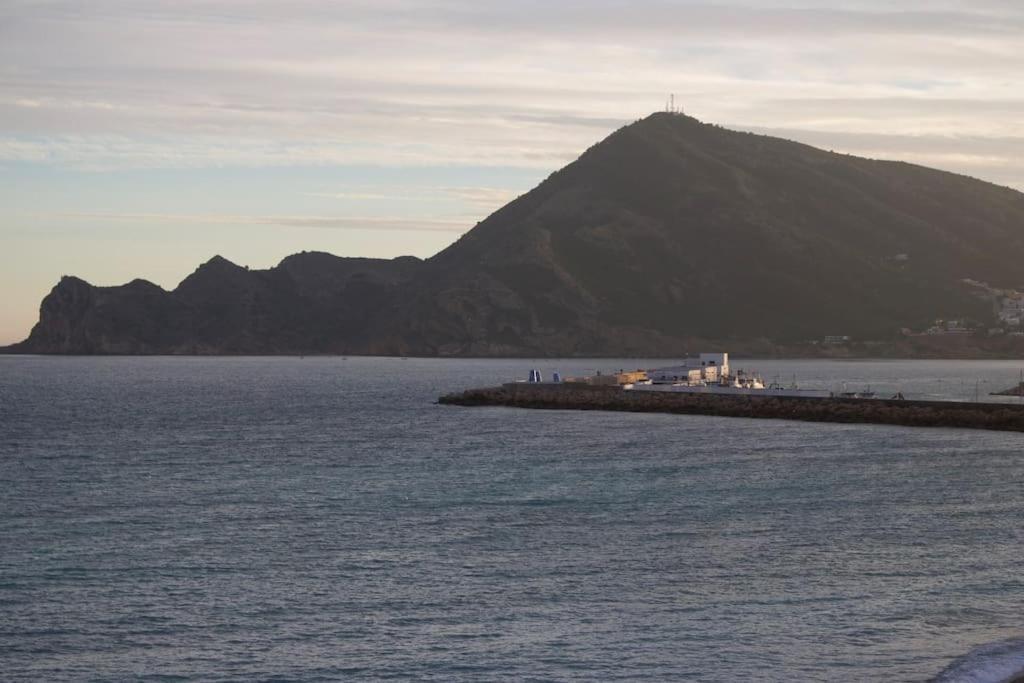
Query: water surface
[[321, 518]]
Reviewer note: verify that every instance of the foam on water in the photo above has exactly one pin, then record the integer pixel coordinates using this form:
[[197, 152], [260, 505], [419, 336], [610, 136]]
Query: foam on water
[[998, 662]]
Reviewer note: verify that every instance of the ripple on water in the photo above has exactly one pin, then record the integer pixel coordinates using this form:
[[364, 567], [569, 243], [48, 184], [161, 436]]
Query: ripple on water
[[246, 518]]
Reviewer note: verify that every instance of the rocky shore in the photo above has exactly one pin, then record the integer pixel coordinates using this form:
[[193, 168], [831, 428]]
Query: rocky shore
[[870, 411]]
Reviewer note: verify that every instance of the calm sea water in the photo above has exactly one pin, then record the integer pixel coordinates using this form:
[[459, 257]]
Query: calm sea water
[[322, 519]]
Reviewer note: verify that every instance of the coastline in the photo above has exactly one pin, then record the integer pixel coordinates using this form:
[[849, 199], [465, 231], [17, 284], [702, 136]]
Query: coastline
[[759, 354], [912, 347]]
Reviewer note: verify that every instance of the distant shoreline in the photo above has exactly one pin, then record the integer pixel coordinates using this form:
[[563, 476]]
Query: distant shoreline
[[5, 351], [934, 347]]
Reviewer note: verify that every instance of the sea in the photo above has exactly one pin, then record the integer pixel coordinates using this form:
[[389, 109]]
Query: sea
[[324, 519]]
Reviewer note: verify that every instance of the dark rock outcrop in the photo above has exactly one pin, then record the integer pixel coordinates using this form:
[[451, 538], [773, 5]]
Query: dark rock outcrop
[[310, 303], [666, 235]]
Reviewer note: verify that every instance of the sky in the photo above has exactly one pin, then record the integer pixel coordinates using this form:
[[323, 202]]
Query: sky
[[138, 138]]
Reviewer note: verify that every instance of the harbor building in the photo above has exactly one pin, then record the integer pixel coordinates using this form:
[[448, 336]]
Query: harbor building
[[707, 367], [610, 380]]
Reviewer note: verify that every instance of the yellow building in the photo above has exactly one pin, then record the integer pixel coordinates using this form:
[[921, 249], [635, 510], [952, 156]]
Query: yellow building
[[614, 379]]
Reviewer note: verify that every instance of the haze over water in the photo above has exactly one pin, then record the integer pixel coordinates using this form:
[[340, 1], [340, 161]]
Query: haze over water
[[322, 518]]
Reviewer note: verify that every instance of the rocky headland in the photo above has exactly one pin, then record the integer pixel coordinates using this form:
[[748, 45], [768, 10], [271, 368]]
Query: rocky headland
[[670, 235]]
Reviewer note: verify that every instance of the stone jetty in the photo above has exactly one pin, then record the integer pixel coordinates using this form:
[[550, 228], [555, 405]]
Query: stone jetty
[[1012, 391], [571, 396]]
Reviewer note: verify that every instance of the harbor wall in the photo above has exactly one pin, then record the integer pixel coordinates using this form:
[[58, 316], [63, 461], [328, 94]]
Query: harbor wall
[[846, 410]]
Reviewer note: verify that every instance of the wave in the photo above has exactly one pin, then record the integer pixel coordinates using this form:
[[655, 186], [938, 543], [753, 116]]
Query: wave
[[999, 662]]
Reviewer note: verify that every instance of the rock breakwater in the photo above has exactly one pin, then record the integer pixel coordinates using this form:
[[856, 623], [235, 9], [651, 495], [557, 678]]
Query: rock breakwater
[[870, 411]]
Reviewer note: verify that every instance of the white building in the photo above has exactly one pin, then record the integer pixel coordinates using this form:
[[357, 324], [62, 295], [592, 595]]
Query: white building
[[708, 367]]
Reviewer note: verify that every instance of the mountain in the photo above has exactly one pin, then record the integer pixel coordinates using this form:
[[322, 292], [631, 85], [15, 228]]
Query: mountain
[[311, 301], [668, 233]]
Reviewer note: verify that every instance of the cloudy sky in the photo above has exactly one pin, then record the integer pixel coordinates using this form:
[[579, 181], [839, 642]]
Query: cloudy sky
[[138, 138]]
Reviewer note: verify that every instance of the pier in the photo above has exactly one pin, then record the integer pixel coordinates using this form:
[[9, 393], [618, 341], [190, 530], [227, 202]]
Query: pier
[[909, 413]]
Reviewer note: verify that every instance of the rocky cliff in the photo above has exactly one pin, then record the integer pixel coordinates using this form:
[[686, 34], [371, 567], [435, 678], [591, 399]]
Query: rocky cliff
[[309, 303]]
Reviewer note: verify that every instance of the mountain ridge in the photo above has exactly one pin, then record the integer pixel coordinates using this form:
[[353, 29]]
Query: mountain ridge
[[668, 233]]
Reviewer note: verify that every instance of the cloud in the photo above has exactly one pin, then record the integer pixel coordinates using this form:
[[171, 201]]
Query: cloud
[[373, 223], [489, 198], [995, 159], [484, 197], [651, 18], [214, 83]]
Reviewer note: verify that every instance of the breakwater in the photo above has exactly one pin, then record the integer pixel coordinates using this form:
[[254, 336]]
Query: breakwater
[[959, 414]]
